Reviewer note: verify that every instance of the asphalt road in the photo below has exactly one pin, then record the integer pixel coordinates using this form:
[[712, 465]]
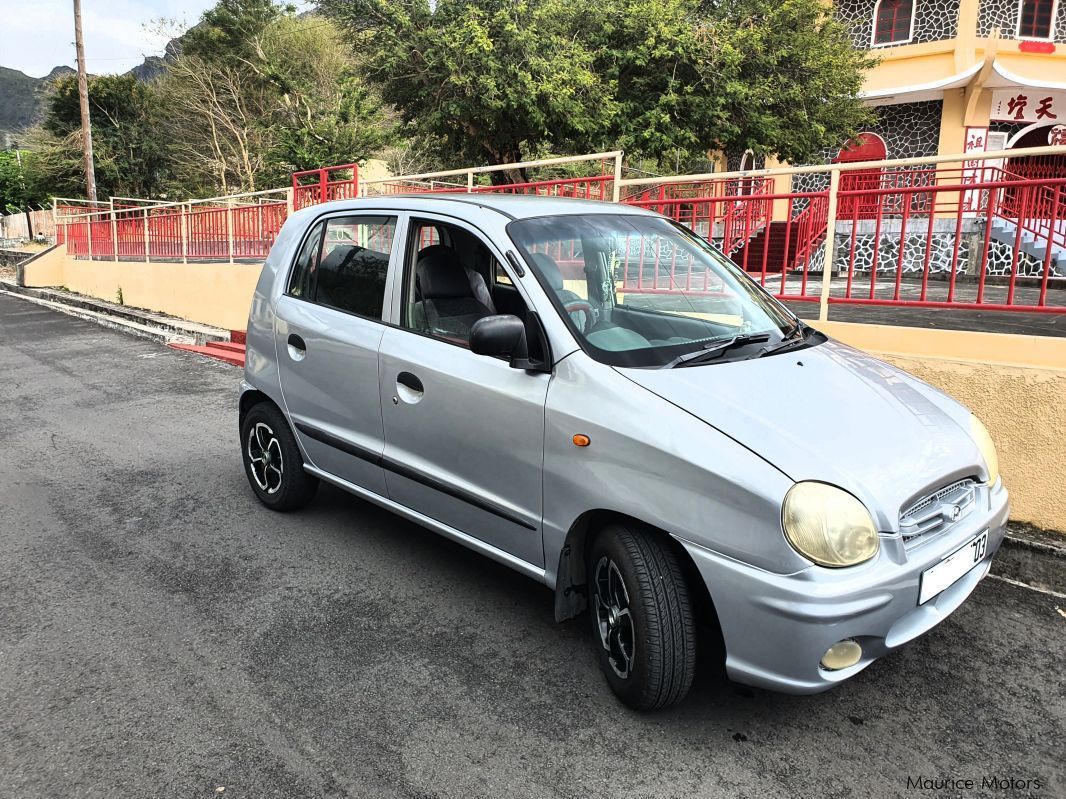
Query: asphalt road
[[163, 635]]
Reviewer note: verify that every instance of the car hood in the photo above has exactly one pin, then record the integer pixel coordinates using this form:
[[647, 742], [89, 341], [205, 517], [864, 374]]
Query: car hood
[[834, 414]]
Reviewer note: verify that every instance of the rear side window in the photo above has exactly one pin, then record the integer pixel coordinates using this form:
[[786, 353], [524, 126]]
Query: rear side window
[[344, 264]]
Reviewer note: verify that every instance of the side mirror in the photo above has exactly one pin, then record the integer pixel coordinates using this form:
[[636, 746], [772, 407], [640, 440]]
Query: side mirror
[[502, 335]]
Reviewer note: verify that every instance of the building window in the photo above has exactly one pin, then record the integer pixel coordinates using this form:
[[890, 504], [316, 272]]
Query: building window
[[893, 22], [1036, 19]]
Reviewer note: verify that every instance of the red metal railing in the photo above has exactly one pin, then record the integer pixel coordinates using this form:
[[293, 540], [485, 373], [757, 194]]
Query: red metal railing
[[728, 212], [741, 226], [958, 237], [594, 188], [926, 238], [933, 246], [591, 188], [167, 232], [315, 186]]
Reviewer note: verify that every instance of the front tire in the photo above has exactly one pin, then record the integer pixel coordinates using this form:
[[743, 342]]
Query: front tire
[[272, 460], [642, 620]]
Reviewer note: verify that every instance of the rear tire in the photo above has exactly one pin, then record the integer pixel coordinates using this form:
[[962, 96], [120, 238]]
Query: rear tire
[[642, 620], [272, 460]]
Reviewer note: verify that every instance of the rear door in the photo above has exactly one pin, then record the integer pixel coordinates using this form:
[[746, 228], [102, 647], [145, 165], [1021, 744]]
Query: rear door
[[328, 328]]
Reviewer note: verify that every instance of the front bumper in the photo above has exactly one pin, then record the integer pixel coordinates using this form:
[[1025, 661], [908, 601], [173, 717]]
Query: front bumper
[[777, 627]]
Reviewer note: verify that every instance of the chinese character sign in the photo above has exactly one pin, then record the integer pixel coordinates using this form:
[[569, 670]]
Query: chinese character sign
[[976, 142], [1028, 105]]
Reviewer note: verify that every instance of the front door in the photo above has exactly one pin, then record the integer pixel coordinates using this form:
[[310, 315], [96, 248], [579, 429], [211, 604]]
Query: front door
[[327, 332], [464, 433], [864, 147]]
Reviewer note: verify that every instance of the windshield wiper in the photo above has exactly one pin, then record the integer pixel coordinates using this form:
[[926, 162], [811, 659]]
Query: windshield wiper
[[714, 349], [795, 337]]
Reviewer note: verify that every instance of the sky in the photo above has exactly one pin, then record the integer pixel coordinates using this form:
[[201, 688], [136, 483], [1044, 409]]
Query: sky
[[37, 35]]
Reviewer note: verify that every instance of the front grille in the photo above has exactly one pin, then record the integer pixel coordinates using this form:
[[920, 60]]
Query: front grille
[[938, 511]]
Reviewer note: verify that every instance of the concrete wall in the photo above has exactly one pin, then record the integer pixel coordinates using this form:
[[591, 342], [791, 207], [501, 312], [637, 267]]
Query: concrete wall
[[1015, 384], [212, 293]]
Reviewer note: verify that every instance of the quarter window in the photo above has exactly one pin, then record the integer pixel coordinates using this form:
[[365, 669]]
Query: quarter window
[[304, 271], [343, 264], [892, 21], [1035, 19]]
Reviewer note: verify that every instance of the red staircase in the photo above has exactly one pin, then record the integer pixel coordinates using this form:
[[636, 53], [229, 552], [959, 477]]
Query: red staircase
[[776, 254], [231, 352]]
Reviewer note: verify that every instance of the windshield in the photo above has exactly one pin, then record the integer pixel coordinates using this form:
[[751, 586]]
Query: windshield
[[644, 291]]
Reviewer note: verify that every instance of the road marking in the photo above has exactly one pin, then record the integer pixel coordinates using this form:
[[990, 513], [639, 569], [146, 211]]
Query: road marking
[[1020, 584]]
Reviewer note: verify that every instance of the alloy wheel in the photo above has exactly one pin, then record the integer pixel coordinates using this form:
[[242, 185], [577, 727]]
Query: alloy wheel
[[264, 457], [613, 617]]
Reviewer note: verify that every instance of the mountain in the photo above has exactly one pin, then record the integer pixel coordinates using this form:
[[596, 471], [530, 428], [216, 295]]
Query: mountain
[[22, 97]]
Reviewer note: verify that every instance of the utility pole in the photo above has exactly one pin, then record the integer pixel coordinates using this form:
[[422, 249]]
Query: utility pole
[[83, 97]]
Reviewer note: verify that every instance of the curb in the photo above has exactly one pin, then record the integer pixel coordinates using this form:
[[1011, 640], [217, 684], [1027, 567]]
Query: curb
[[1034, 557], [145, 324]]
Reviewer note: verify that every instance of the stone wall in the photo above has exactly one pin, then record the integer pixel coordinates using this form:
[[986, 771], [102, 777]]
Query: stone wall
[[934, 20], [941, 250], [1002, 16]]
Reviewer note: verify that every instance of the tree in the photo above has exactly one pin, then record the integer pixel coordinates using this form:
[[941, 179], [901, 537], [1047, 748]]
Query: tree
[[326, 113], [128, 143], [20, 187], [486, 79], [263, 95], [227, 31], [497, 79], [777, 77]]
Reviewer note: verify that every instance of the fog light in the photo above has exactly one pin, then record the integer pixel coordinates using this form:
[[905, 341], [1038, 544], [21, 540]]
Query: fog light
[[841, 655]]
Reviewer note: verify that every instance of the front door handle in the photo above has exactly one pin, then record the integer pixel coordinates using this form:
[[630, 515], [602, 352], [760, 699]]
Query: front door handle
[[408, 388]]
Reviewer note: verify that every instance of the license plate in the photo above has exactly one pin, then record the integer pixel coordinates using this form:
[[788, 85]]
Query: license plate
[[951, 568]]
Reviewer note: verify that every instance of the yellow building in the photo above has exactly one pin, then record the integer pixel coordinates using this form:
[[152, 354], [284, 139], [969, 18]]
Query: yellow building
[[963, 75]]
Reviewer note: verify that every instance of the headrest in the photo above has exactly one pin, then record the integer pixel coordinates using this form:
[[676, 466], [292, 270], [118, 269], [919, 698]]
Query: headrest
[[432, 249], [547, 266], [441, 276]]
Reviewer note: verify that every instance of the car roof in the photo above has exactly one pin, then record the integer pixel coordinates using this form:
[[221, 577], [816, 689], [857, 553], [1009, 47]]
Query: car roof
[[513, 206]]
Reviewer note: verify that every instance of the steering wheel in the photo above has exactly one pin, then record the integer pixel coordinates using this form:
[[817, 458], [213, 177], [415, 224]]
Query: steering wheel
[[580, 306]]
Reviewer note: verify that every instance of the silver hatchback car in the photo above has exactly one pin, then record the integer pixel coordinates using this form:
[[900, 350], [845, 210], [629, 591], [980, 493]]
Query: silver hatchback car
[[594, 396]]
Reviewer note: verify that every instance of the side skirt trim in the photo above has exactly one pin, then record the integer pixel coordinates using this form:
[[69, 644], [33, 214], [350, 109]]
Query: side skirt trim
[[403, 470], [498, 555]]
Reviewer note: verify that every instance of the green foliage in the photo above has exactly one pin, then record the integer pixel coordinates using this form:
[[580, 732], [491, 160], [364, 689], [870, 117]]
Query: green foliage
[[228, 31], [325, 112], [20, 188], [257, 92], [486, 79], [245, 114], [665, 79], [129, 147]]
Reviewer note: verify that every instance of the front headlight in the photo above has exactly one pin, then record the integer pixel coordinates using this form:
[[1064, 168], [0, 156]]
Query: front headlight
[[988, 450], [828, 525]]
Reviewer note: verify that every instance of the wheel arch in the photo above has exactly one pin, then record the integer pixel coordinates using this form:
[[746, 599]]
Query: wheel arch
[[571, 591], [249, 399]]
